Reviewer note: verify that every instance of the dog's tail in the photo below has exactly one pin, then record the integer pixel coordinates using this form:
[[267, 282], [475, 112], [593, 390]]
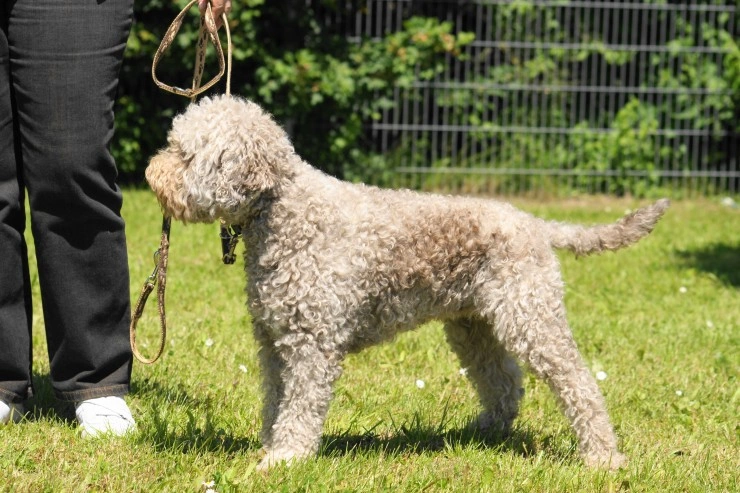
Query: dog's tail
[[628, 230]]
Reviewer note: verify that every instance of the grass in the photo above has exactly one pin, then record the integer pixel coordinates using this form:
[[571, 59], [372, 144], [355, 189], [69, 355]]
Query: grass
[[660, 319]]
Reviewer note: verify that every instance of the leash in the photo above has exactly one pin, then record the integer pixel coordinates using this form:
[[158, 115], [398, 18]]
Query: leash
[[158, 274], [207, 31]]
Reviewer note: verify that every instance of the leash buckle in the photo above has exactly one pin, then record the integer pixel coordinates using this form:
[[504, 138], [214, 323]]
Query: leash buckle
[[229, 239], [152, 279]]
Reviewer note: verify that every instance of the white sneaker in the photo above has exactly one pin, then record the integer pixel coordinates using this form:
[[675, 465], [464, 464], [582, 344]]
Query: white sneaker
[[104, 416], [10, 412]]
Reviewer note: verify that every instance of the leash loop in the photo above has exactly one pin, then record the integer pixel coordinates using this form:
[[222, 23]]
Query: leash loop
[[207, 32], [158, 277]]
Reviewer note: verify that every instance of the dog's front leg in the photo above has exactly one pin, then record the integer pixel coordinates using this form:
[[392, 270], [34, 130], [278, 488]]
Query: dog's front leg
[[308, 374], [272, 369]]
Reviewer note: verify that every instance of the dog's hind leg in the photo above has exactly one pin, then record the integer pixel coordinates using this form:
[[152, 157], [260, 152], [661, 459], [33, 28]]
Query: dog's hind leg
[[493, 372], [529, 319], [308, 374]]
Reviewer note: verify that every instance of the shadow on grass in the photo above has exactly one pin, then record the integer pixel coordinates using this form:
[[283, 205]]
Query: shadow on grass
[[44, 405], [199, 433], [418, 438], [719, 259]]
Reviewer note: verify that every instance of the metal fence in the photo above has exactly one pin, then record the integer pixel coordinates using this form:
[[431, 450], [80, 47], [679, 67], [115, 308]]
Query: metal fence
[[557, 95]]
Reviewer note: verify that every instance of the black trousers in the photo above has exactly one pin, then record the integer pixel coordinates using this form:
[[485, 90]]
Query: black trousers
[[59, 68]]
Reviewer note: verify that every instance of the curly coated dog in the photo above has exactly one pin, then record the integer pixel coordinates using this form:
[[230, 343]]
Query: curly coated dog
[[334, 267]]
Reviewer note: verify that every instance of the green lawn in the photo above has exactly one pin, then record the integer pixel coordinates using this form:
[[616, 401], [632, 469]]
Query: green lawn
[[660, 320]]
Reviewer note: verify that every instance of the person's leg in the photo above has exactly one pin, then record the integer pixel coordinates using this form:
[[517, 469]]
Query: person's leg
[[65, 57], [15, 293]]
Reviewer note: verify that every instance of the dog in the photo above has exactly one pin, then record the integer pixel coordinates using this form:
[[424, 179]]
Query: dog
[[334, 267]]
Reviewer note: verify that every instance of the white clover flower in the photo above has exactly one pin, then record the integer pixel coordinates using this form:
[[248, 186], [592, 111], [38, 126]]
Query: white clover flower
[[710, 324], [682, 289], [242, 368], [679, 393], [463, 371], [420, 384], [209, 342], [601, 375]]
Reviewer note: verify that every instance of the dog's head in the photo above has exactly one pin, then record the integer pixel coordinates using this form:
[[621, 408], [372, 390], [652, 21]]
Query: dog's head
[[221, 154]]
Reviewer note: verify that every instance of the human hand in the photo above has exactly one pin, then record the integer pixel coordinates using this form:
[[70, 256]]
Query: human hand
[[218, 7]]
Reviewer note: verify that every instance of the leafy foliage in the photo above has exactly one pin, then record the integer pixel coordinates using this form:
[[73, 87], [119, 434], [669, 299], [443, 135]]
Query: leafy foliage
[[629, 147], [321, 86], [326, 88]]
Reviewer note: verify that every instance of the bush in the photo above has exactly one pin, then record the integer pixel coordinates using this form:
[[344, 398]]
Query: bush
[[320, 86], [326, 89]]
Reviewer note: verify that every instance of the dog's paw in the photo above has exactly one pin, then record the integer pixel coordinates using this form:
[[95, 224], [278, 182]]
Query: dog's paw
[[497, 424], [611, 461], [274, 458]]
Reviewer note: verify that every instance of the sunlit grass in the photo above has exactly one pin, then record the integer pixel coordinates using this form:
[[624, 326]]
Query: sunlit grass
[[660, 320]]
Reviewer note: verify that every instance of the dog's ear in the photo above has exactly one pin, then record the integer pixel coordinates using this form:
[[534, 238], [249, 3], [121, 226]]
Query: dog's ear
[[233, 145], [255, 162], [164, 175]]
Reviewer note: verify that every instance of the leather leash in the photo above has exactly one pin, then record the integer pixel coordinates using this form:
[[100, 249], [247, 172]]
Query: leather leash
[[159, 274]]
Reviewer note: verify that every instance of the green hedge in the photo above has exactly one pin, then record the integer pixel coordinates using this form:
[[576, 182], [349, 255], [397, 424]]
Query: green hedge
[[320, 86], [325, 90]]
